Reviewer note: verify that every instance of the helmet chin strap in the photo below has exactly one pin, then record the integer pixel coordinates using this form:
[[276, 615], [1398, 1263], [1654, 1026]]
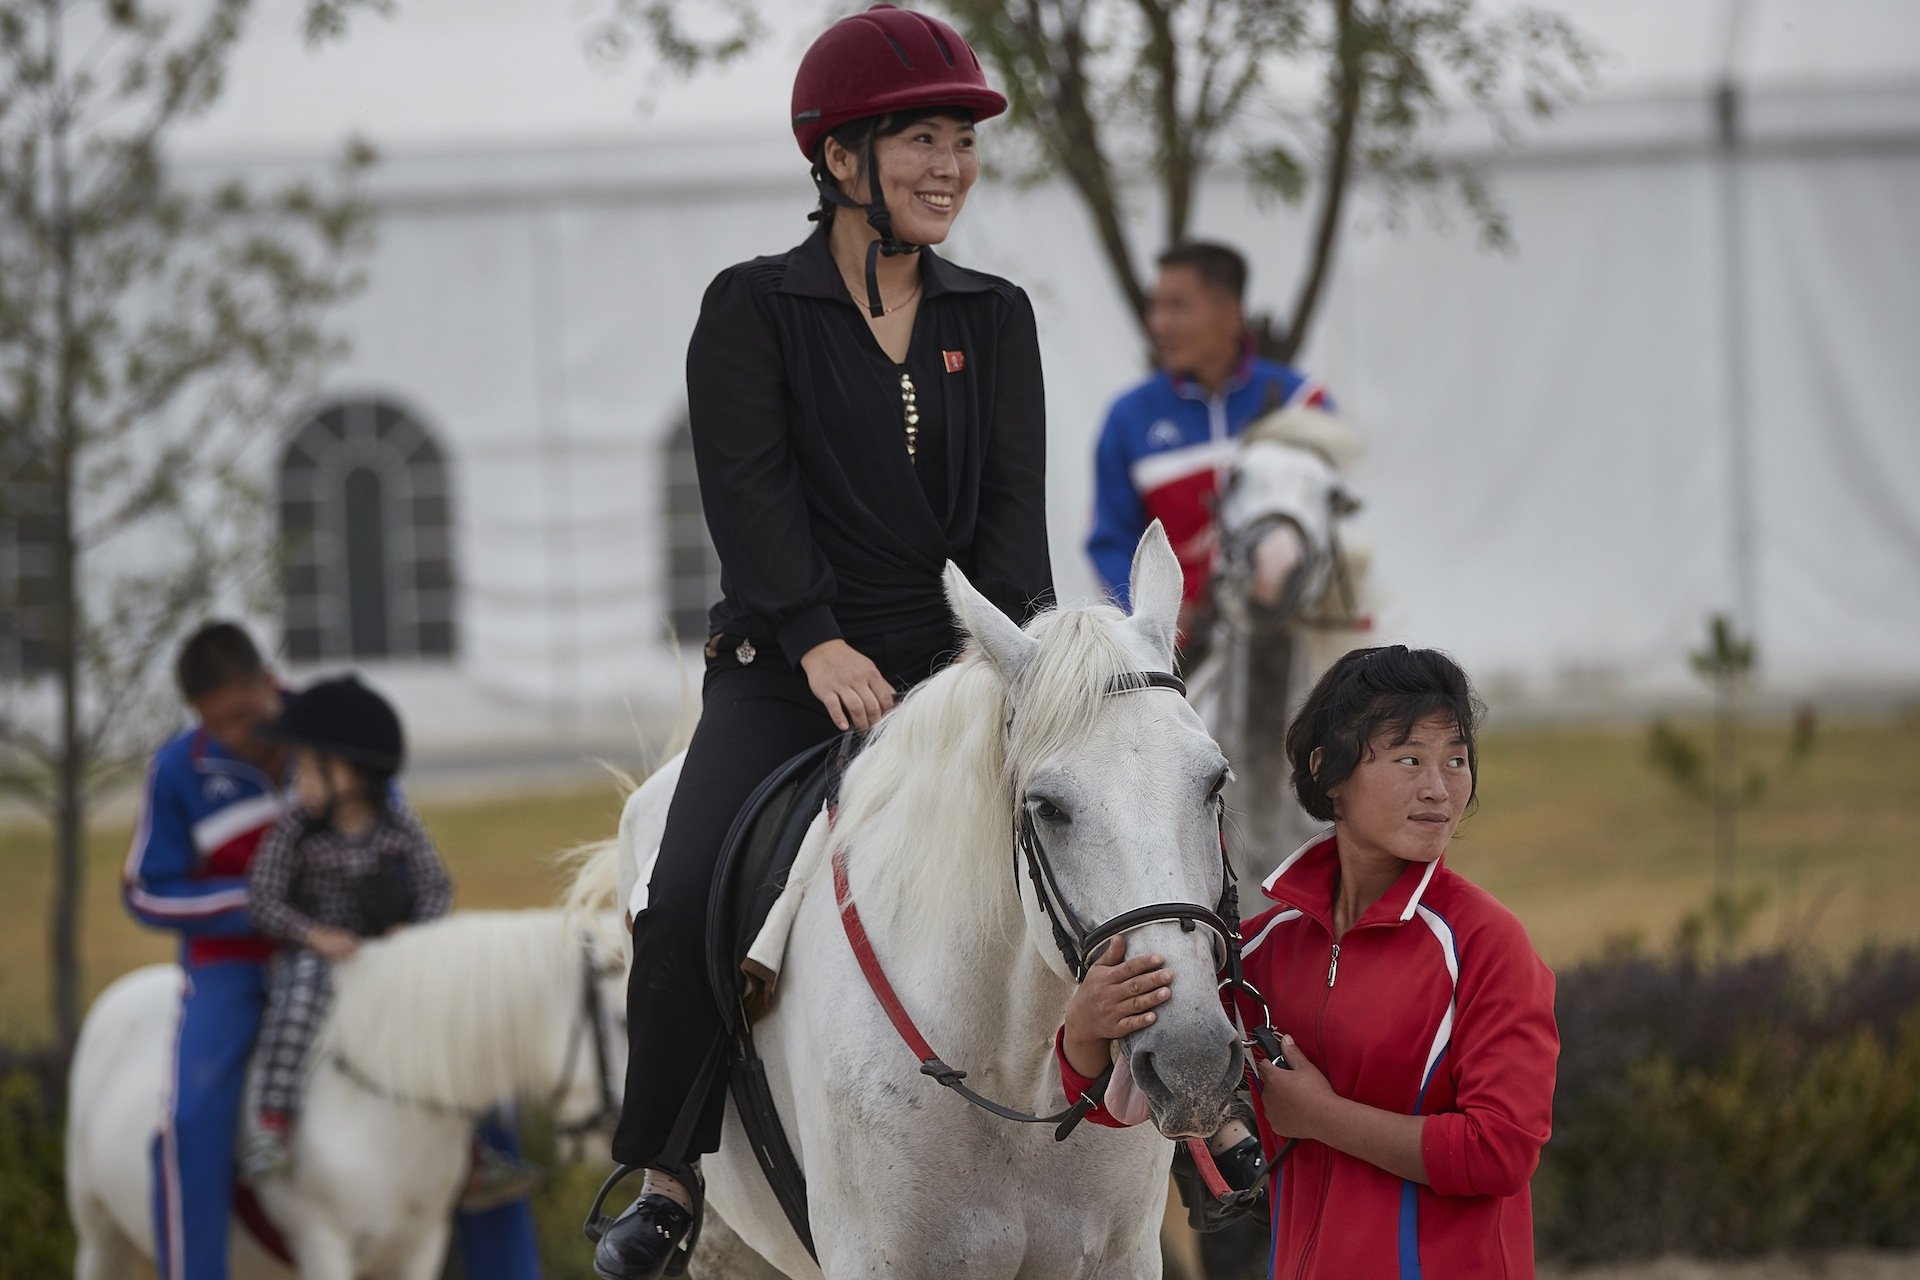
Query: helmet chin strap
[[879, 217]]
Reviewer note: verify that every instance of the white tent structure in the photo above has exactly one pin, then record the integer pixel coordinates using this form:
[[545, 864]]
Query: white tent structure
[[1691, 388]]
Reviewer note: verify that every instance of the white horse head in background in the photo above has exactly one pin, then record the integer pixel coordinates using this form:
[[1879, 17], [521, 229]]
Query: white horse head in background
[[1286, 597], [904, 1177]]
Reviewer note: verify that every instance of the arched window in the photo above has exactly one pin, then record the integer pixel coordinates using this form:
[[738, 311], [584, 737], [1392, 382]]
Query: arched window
[[366, 526], [693, 567]]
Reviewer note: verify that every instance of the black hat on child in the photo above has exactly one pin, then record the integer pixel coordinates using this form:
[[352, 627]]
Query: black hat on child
[[347, 719]]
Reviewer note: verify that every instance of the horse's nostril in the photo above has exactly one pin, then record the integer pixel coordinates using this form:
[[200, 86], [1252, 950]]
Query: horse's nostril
[[1143, 1073]]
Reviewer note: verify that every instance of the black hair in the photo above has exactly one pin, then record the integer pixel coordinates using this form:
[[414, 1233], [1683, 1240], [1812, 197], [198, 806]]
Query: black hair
[[1368, 692], [858, 135], [1215, 264], [217, 655]]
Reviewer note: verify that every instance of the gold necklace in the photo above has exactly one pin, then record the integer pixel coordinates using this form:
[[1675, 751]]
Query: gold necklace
[[885, 310]]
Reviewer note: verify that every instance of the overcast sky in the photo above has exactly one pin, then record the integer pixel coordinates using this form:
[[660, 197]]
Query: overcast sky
[[456, 73]]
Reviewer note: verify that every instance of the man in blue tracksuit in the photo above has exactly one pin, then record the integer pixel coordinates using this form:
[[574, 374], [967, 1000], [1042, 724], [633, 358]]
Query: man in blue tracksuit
[[212, 794], [1167, 441]]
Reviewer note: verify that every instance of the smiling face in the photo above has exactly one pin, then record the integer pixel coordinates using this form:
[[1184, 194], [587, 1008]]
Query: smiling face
[[925, 171], [1196, 327], [1405, 797]]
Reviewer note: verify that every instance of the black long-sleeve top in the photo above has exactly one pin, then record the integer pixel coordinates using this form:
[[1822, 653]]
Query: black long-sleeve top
[[824, 525]]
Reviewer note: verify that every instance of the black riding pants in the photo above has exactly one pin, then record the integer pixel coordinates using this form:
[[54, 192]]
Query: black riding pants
[[753, 718]]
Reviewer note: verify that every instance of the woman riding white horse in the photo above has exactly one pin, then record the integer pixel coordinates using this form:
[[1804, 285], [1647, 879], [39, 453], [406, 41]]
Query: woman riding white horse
[[1052, 729], [862, 412]]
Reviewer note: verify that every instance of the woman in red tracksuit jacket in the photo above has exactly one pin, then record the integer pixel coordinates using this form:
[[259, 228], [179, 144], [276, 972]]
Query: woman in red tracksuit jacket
[[1418, 1019]]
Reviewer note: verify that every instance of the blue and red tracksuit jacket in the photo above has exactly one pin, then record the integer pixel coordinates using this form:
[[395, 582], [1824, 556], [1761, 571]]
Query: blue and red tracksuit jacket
[[206, 812], [1160, 457], [1434, 1004]]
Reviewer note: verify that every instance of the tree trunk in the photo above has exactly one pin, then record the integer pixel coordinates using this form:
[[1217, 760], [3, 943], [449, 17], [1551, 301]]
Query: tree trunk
[[1333, 188], [66, 633], [70, 841]]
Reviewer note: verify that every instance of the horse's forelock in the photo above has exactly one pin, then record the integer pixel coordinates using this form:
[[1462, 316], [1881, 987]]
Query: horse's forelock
[[931, 797], [1062, 690]]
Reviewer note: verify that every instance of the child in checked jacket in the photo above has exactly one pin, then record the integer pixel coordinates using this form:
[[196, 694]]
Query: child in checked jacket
[[347, 862]]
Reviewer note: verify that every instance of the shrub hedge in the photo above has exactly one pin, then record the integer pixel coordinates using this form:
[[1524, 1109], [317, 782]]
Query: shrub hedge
[[35, 1236], [1733, 1107]]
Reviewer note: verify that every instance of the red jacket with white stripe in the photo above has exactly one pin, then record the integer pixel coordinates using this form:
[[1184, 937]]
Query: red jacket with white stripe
[[1434, 1003]]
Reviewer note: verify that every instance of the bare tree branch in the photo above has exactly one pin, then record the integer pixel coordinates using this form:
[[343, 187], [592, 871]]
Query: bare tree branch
[[1346, 75]]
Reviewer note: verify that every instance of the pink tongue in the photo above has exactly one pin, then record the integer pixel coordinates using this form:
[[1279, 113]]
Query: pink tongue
[[1125, 1102]]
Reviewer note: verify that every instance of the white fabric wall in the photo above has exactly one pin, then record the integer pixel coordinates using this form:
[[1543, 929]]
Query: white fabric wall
[[1550, 489], [1549, 493]]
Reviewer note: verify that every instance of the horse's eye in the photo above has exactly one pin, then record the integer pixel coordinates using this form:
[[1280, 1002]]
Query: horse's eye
[[1220, 781], [1048, 811]]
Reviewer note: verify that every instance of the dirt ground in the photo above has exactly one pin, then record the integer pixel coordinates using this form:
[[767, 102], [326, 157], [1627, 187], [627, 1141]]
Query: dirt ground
[[1851, 1265]]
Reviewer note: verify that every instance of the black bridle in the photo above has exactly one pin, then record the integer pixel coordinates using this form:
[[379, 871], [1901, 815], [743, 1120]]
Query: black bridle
[[607, 1113], [1080, 944], [1079, 947]]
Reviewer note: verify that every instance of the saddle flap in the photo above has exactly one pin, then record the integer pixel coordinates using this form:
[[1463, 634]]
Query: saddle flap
[[755, 860]]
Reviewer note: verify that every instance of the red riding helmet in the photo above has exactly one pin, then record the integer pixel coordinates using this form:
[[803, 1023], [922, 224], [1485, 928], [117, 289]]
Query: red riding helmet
[[881, 61]]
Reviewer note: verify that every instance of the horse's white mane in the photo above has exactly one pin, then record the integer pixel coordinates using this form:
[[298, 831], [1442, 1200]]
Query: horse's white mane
[[459, 1012], [932, 795], [591, 900]]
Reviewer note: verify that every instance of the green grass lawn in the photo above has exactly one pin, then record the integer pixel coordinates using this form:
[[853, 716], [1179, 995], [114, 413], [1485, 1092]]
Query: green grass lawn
[[1574, 831]]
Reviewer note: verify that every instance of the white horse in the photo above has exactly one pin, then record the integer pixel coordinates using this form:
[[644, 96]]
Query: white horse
[[904, 1178], [430, 1028], [1287, 595]]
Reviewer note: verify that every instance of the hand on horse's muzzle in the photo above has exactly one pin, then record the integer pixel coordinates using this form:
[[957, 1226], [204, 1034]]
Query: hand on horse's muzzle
[[1117, 998]]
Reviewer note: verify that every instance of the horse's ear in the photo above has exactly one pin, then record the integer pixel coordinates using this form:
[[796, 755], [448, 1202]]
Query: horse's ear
[[1003, 641], [1155, 586]]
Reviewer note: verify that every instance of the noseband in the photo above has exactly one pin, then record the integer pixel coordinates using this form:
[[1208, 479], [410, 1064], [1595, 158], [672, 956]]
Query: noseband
[[1081, 945]]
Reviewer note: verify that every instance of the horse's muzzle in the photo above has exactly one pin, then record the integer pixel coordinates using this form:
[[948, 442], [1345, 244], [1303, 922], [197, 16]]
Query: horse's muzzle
[[1188, 1088]]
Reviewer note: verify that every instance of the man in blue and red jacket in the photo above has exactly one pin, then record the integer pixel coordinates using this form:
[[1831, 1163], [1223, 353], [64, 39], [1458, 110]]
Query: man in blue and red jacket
[[213, 793], [1167, 441]]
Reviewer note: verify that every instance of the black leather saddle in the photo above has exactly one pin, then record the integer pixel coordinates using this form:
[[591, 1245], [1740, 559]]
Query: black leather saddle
[[754, 861]]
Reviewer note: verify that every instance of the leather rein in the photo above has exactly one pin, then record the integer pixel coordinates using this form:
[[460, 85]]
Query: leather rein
[[594, 1015], [1079, 944]]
